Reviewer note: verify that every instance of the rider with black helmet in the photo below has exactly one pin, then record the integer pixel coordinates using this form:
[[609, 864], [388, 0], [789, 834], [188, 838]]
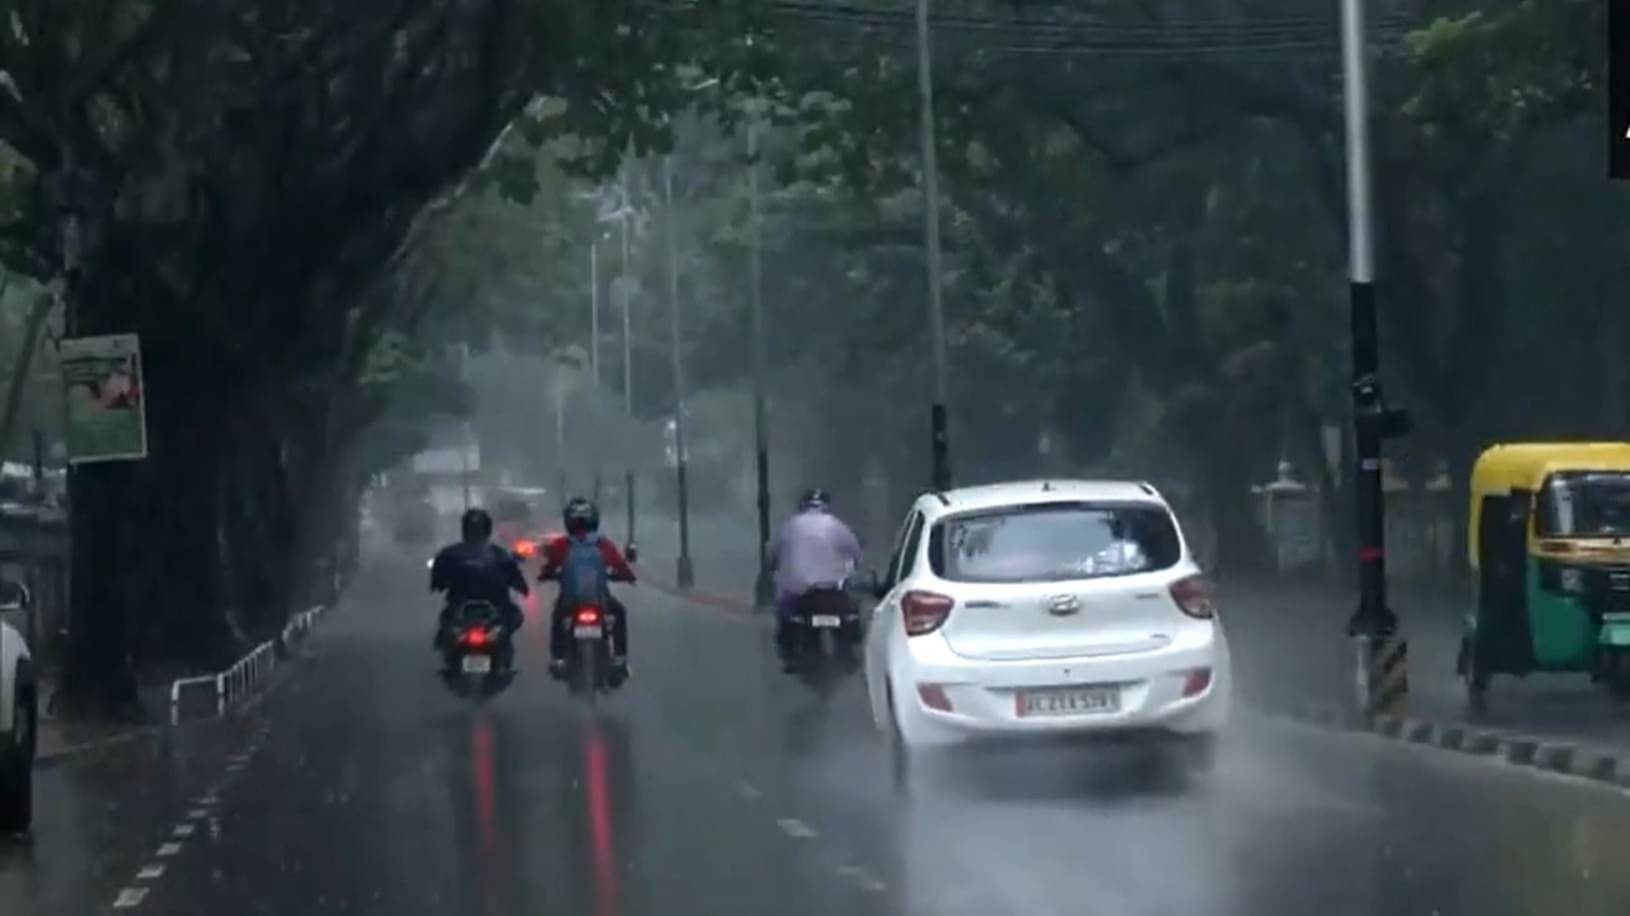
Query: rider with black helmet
[[583, 560], [476, 569]]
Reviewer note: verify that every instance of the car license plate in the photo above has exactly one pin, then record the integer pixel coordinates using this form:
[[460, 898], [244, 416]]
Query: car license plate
[[1069, 701], [825, 621], [477, 664], [588, 632]]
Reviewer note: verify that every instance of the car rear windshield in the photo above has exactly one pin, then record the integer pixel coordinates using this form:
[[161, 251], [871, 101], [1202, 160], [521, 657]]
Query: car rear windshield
[[1054, 542]]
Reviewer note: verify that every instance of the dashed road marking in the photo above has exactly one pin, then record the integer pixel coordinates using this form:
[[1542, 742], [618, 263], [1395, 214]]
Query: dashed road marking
[[748, 791], [149, 872], [210, 799], [130, 897], [863, 878], [197, 814], [169, 849], [182, 830], [797, 829]]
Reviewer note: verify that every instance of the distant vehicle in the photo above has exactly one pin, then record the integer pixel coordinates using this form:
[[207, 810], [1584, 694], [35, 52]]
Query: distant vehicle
[[19, 714], [1046, 608]]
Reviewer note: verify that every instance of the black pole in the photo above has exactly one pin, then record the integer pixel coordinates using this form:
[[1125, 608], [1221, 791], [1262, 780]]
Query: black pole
[[764, 588], [628, 495], [1373, 617], [686, 571], [941, 448]]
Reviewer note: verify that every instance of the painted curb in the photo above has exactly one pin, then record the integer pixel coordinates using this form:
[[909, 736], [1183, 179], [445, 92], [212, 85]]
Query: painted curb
[[1599, 764]]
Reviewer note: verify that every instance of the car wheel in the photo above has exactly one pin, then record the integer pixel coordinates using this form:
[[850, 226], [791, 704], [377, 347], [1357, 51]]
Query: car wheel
[[1200, 753], [17, 762]]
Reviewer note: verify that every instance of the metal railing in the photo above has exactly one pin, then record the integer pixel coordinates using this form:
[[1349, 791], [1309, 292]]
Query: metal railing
[[248, 672]]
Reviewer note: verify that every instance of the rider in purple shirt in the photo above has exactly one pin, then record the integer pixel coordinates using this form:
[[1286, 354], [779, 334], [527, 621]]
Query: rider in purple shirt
[[812, 549]]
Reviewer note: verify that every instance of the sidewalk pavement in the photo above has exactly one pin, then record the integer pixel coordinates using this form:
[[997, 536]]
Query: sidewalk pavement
[[58, 738]]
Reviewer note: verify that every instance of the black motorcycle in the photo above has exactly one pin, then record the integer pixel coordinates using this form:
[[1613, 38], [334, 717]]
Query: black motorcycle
[[477, 651], [824, 633], [589, 671]]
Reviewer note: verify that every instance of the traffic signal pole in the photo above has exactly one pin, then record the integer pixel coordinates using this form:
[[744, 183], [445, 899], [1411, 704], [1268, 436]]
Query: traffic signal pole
[[1381, 651]]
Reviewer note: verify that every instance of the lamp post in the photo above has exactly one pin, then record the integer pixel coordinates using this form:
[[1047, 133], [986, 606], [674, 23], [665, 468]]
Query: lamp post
[[939, 435], [685, 573]]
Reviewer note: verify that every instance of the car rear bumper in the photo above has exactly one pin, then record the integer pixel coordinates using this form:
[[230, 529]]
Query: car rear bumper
[[984, 696]]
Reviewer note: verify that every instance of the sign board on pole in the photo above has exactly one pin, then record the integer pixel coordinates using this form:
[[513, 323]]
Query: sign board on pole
[[107, 415]]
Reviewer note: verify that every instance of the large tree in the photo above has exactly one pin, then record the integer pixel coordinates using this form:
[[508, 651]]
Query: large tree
[[246, 174]]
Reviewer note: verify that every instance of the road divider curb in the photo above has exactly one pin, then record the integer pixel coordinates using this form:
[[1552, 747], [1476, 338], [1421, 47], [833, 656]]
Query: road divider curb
[[250, 672], [1600, 764]]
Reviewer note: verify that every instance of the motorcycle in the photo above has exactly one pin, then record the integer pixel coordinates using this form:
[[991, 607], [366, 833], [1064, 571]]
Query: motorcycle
[[588, 655], [824, 634], [478, 653]]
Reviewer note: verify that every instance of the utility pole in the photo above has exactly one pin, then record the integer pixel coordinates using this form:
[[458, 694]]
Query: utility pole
[[763, 589], [1381, 650], [464, 447], [685, 574], [593, 399], [938, 432], [628, 353]]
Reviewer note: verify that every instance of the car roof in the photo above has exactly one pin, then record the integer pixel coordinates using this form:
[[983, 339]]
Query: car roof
[[1026, 492]]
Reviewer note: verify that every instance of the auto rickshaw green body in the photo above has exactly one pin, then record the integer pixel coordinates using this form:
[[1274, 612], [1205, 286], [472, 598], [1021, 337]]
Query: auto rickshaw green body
[[1547, 600]]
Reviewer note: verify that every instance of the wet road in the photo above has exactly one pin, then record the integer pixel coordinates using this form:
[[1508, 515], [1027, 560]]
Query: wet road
[[712, 786]]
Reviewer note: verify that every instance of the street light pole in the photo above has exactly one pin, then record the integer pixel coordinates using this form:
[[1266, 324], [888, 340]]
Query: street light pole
[[628, 351], [938, 432], [1381, 651], [763, 590], [594, 362], [685, 573]]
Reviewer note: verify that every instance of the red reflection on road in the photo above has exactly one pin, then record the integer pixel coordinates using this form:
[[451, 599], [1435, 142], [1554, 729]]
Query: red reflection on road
[[601, 844], [483, 772]]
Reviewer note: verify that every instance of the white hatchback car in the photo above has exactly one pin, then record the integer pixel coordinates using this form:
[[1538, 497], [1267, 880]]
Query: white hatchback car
[[19, 715], [1046, 608]]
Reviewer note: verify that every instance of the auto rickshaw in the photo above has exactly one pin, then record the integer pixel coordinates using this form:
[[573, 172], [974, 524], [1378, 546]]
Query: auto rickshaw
[[1549, 545]]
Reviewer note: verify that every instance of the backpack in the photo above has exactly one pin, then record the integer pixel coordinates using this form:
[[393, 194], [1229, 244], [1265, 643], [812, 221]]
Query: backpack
[[583, 577]]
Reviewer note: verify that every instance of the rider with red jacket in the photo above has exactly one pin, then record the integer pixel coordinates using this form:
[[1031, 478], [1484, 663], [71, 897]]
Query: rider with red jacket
[[585, 562]]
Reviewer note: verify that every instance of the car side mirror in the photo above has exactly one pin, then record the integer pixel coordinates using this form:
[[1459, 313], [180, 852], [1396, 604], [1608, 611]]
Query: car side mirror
[[14, 596], [632, 552]]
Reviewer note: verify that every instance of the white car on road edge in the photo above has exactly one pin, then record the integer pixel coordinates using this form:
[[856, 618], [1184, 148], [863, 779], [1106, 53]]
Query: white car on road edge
[[1045, 608], [19, 715]]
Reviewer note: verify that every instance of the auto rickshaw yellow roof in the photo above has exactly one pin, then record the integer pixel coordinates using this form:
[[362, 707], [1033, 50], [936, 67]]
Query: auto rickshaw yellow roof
[[1524, 465]]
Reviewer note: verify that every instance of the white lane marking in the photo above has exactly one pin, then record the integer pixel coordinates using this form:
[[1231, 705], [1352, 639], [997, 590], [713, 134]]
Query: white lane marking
[[169, 849], [149, 872], [212, 798], [130, 897], [183, 830], [797, 829], [863, 878], [197, 814], [748, 791]]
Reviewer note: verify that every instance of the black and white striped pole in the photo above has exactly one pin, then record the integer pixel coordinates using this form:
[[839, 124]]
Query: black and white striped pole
[[1381, 679]]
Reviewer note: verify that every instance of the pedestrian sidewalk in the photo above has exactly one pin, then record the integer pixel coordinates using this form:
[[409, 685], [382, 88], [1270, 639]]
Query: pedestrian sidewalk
[[58, 738]]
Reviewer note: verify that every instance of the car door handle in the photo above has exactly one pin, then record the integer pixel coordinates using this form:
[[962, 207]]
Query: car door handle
[[986, 604]]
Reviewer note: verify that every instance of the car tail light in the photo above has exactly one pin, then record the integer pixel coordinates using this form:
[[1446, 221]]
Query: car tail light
[[924, 612], [588, 616], [525, 548], [933, 696], [1195, 681], [1193, 597]]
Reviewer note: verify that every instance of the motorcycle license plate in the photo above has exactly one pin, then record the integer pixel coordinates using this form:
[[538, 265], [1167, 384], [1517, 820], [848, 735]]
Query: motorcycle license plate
[[589, 632], [825, 621], [477, 664]]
